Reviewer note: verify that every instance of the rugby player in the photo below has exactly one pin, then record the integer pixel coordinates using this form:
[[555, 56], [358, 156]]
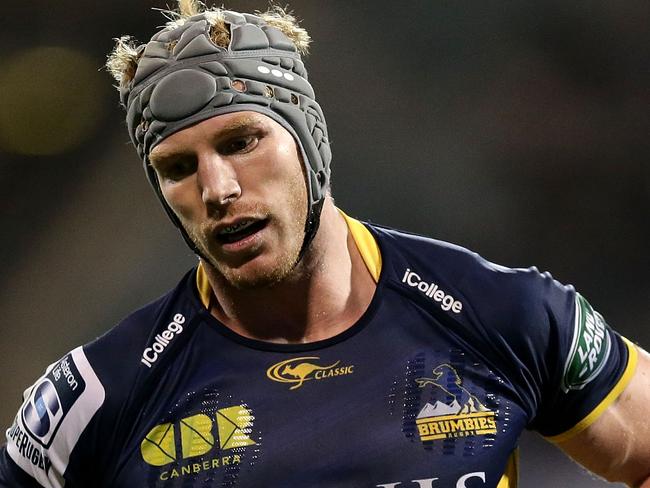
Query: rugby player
[[308, 349]]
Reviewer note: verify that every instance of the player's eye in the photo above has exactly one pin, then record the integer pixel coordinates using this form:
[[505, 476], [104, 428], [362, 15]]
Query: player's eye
[[242, 144], [176, 170]]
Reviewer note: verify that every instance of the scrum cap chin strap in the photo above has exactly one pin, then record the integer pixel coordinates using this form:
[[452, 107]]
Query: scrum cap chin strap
[[184, 78]]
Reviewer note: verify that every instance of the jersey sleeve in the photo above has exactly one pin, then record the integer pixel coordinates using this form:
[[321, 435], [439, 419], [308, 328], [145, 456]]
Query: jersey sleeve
[[560, 360], [56, 410], [572, 364], [588, 363], [11, 475]]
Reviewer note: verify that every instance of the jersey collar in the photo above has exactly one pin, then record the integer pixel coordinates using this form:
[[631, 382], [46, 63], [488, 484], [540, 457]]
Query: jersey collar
[[364, 240]]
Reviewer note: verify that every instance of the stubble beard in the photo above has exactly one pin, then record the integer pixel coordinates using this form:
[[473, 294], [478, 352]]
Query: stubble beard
[[285, 262]]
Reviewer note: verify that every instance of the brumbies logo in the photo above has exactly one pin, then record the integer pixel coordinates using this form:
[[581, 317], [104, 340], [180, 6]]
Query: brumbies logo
[[299, 370], [464, 416], [51, 399]]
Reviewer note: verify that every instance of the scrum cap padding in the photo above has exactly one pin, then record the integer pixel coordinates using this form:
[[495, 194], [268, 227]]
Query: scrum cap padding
[[183, 78]]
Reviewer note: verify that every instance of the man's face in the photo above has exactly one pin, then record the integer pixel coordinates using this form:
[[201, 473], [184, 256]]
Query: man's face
[[236, 183]]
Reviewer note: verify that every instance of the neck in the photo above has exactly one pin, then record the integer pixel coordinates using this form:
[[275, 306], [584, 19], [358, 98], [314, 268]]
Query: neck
[[326, 293]]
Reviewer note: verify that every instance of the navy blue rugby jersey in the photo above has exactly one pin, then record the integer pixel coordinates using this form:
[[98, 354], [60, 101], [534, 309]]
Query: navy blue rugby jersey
[[432, 387]]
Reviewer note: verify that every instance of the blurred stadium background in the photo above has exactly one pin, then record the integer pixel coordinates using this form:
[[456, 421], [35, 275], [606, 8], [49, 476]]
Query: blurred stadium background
[[518, 129]]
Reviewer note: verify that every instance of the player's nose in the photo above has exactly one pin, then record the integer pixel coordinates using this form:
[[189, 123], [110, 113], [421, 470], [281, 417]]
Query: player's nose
[[217, 179]]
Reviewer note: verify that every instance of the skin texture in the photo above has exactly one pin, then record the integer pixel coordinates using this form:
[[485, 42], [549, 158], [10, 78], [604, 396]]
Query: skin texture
[[617, 445], [211, 175], [244, 165]]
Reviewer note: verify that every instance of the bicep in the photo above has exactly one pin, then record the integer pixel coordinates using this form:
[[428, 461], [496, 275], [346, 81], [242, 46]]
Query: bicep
[[617, 445]]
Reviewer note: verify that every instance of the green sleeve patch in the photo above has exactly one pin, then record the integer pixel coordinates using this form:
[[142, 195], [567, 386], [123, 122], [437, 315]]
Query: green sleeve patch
[[590, 347]]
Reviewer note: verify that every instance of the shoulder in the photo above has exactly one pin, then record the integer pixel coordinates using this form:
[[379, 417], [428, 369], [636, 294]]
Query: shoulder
[[489, 288], [556, 350], [87, 396], [135, 333], [517, 315], [130, 357]]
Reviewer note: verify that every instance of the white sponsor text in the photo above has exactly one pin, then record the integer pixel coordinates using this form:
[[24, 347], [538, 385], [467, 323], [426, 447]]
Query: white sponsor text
[[447, 302], [161, 341]]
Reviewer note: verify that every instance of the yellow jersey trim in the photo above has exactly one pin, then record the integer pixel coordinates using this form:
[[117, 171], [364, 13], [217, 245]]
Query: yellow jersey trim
[[203, 285], [366, 244], [511, 476], [607, 401]]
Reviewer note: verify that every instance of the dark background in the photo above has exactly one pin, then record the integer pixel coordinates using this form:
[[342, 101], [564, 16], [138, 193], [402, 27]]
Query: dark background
[[518, 129]]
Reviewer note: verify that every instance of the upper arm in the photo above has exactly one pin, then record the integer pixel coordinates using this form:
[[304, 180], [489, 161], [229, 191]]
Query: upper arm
[[11, 476], [587, 388], [617, 445], [56, 410]]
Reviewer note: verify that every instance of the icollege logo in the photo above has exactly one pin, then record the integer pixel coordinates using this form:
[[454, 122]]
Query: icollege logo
[[464, 416], [299, 370], [151, 354]]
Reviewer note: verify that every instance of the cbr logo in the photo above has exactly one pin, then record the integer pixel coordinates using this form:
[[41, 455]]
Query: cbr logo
[[197, 436], [299, 370], [429, 482]]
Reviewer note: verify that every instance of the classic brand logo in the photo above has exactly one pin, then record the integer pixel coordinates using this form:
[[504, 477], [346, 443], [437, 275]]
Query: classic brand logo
[[463, 416], [590, 347], [198, 437], [299, 370]]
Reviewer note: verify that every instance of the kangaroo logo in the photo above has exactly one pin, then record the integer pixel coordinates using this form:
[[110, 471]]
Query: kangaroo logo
[[461, 415], [302, 371], [299, 370]]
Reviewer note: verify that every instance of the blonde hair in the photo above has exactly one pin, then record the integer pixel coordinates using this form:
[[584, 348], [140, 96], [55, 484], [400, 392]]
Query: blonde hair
[[122, 61]]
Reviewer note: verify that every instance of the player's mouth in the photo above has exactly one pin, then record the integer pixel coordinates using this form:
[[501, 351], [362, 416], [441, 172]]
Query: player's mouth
[[241, 232]]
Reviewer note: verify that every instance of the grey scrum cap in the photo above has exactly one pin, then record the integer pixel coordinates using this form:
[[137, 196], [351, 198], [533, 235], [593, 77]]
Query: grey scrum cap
[[184, 78]]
